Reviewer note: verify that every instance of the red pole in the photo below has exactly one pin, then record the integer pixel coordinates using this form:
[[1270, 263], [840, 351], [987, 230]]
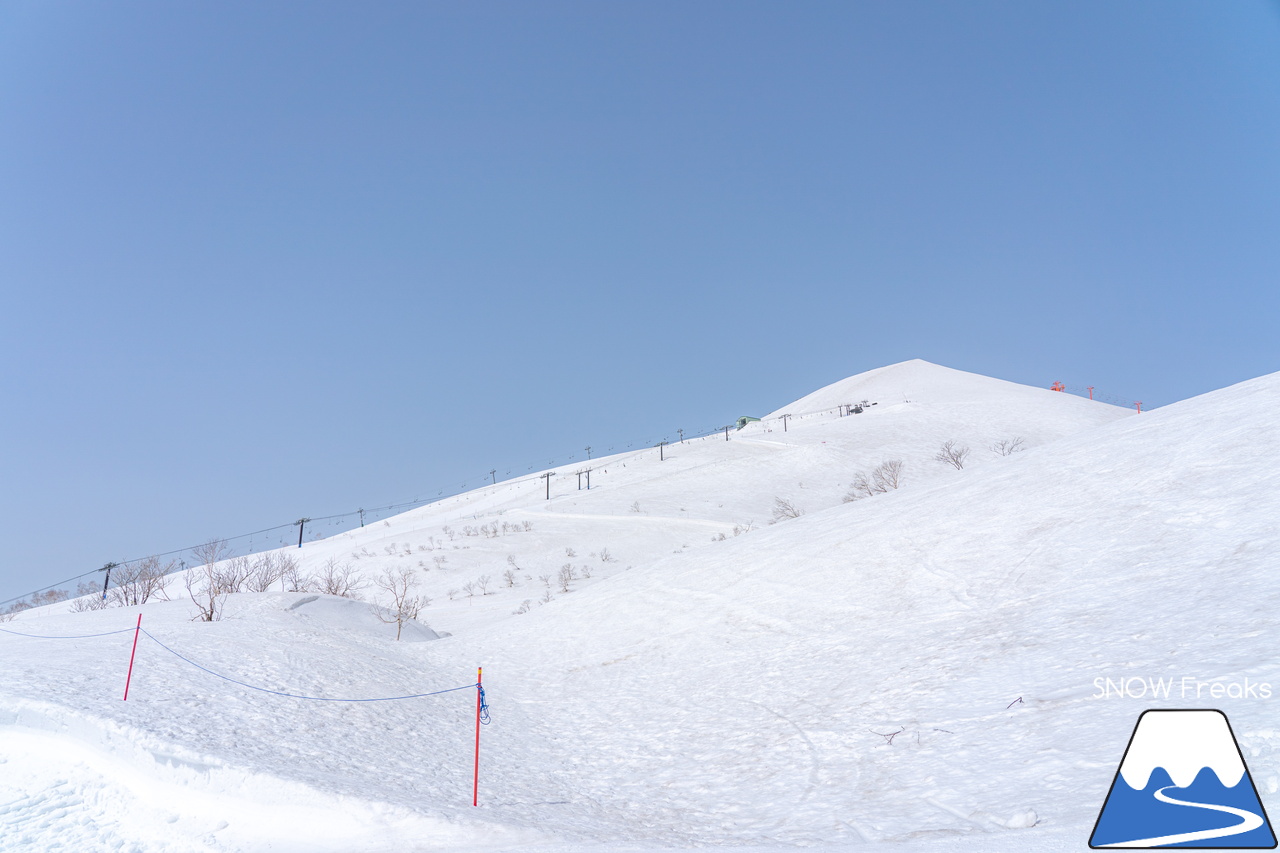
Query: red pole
[[129, 677], [1139, 405], [1090, 392], [475, 785]]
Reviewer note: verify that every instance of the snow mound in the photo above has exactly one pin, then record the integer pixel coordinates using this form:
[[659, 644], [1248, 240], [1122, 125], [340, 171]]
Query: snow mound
[[333, 613], [919, 381]]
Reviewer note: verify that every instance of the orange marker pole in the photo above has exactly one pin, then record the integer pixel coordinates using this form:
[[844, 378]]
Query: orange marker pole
[[475, 785], [132, 655]]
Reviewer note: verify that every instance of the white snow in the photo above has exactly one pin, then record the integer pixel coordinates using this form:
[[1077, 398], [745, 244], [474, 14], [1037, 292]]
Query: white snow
[[911, 671]]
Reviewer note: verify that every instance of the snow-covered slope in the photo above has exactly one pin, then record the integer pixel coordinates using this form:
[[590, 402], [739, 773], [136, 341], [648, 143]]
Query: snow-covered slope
[[695, 690]]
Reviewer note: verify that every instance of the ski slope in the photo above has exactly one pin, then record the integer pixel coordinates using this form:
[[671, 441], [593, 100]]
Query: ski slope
[[910, 671]]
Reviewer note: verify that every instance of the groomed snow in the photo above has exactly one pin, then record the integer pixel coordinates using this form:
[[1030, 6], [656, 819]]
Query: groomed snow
[[911, 671]]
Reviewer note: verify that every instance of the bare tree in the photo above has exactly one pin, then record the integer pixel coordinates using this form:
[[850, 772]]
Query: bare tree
[[263, 573], [566, 577], [1008, 446], [88, 597], [291, 577], [340, 579], [886, 477], [204, 582], [400, 584], [510, 577], [784, 509], [482, 583], [137, 583], [233, 574], [952, 454]]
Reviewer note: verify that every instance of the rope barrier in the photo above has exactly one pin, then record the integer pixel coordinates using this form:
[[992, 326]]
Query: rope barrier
[[66, 637], [188, 660]]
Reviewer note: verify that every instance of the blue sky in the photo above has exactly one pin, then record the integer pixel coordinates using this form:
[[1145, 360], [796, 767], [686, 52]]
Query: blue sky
[[267, 260]]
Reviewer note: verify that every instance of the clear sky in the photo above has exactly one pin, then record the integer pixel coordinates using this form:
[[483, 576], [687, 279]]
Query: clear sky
[[267, 260]]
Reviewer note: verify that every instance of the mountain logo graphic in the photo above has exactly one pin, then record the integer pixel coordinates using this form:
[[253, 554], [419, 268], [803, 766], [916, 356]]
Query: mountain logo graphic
[[1183, 783]]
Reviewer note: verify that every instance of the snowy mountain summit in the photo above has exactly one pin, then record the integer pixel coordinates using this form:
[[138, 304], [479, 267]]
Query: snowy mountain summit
[[882, 629]]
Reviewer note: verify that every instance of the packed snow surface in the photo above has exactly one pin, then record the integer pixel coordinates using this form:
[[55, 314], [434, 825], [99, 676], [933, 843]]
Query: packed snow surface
[[742, 658]]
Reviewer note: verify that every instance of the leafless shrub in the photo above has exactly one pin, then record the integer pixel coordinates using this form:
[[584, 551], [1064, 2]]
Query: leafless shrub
[[340, 579], [739, 529], [1008, 446], [399, 584], [528, 525], [264, 571], [510, 577], [886, 477], [547, 598], [784, 509], [511, 561], [439, 560], [469, 588], [606, 557], [88, 597], [546, 580], [448, 531], [482, 584], [952, 454], [523, 608], [137, 583], [586, 571], [291, 577], [569, 552], [719, 537], [233, 574], [453, 593], [635, 507], [204, 582], [566, 577]]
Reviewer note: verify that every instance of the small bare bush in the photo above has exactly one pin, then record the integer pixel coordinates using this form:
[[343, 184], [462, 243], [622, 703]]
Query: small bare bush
[[482, 584], [400, 584], [606, 557], [233, 574], [340, 579], [291, 577], [204, 582], [784, 509], [886, 477], [510, 577], [566, 577], [89, 597], [952, 454], [523, 608], [1008, 446], [137, 583]]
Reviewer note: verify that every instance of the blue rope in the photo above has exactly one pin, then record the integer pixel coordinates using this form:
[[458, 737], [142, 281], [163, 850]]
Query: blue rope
[[69, 636], [484, 706], [296, 695]]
